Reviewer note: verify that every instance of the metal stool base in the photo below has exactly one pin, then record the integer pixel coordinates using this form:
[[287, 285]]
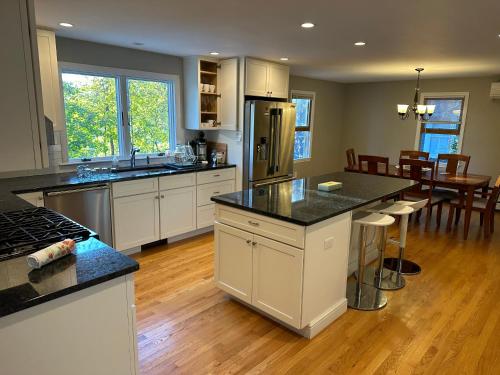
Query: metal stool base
[[391, 280], [407, 266], [366, 298]]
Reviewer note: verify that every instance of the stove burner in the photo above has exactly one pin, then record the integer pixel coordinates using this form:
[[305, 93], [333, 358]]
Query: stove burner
[[26, 231]]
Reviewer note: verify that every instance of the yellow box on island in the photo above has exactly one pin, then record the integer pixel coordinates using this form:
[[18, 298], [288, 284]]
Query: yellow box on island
[[330, 185]]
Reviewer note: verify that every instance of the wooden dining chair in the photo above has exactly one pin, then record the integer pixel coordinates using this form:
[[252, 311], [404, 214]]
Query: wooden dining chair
[[484, 203], [351, 157], [452, 161], [413, 154], [423, 172], [372, 163]]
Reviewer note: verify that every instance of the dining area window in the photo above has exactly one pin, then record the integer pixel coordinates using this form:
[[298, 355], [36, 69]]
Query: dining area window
[[442, 133]]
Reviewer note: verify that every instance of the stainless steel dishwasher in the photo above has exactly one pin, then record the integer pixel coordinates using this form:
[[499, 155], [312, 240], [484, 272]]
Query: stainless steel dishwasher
[[89, 206]]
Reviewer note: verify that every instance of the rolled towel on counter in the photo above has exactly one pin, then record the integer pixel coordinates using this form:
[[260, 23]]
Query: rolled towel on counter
[[51, 253]]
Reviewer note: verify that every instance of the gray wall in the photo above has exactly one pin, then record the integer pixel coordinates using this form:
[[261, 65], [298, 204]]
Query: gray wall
[[371, 124], [327, 127]]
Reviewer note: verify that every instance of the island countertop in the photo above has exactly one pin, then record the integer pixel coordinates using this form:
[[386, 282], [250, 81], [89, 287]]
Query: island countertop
[[92, 263], [300, 202]]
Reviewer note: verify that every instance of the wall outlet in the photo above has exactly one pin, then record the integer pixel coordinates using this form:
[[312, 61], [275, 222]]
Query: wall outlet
[[328, 243]]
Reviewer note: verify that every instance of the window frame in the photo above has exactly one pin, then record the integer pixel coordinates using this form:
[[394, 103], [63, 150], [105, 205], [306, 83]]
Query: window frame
[[121, 75], [463, 122], [301, 94]]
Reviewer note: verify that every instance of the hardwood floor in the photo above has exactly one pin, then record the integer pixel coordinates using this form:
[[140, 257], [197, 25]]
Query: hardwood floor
[[446, 320]]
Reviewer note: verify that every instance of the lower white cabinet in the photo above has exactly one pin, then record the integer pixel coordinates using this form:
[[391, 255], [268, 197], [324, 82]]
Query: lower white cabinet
[[277, 279], [177, 211], [136, 220], [264, 273], [35, 198], [233, 261], [205, 216]]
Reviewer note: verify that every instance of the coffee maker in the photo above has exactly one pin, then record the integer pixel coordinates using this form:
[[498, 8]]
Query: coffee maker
[[200, 147]]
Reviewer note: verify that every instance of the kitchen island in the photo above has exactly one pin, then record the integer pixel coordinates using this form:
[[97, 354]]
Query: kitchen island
[[283, 249]]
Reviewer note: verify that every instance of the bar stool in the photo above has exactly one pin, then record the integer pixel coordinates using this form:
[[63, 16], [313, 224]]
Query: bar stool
[[361, 296], [382, 277], [401, 265]]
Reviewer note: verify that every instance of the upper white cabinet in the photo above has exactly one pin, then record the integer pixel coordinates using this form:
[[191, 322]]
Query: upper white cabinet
[[211, 93], [49, 75], [263, 78], [23, 141]]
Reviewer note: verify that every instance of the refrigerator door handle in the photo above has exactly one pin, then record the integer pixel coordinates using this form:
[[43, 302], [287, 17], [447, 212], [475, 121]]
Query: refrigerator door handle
[[272, 137], [279, 123]]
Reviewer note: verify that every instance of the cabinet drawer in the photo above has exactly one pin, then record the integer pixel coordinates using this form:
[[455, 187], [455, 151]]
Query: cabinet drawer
[[278, 230], [126, 188], [177, 181], [205, 192], [205, 216], [214, 176]]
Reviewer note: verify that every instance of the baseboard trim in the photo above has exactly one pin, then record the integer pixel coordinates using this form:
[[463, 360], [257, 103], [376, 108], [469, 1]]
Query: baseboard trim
[[193, 233]]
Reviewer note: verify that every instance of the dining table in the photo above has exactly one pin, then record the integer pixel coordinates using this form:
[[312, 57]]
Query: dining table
[[467, 184]]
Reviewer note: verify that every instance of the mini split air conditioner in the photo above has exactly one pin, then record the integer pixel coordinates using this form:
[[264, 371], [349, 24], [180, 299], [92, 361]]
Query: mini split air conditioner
[[495, 90]]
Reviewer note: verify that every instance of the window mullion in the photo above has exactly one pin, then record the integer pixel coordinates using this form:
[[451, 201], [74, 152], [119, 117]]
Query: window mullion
[[124, 131]]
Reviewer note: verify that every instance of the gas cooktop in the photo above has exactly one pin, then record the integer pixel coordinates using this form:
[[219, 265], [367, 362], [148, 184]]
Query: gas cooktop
[[26, 231]]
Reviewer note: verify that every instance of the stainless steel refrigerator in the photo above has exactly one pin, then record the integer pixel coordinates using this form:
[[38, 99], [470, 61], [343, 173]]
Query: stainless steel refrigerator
[[268, 136]]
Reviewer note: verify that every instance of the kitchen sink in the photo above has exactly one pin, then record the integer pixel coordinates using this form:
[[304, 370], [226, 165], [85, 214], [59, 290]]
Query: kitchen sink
[[143, 168]]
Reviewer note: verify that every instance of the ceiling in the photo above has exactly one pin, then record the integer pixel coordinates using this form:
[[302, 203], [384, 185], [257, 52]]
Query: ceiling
[[446, 37]]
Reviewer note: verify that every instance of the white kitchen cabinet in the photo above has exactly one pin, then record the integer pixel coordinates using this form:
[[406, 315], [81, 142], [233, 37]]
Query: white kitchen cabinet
[[277, 279], [136, 220], [49, 75], [207, 191], [205, 216], [233, 261], [211, 110], [177, 211], [263, 78], [298, 273], [35, 198], [23, 139]]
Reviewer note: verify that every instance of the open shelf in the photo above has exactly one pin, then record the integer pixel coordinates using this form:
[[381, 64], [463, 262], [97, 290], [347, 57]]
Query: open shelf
[[209, 93], [209, 73], [208, 113]]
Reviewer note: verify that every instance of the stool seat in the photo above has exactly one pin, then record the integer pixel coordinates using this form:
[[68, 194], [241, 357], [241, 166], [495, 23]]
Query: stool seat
[[416, 205], [372, 218], [392, 209]]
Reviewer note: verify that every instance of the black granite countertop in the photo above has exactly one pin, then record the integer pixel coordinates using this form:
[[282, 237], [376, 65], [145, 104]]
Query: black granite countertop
[[92, 263], [300, 202], [11, 186]]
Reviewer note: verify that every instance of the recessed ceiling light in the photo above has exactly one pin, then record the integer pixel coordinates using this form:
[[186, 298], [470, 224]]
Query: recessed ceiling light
[[307, 25], [65, 24], [214, 53], [138, 44], [284, 58], [359, 43]]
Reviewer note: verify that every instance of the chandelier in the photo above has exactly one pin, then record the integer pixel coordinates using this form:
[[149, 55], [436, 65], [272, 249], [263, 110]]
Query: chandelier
[[420, 110]]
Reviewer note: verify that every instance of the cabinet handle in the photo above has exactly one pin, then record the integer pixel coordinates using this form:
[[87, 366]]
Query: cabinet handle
[[254, 223], [249, 242], [162, 196], [254, 243], [216, 192], [157, 197], [216, 175]]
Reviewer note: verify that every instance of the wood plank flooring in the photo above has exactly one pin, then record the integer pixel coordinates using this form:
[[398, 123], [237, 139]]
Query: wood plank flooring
[[446, 320]]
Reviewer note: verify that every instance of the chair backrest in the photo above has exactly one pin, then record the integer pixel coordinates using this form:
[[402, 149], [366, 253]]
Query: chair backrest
[[415, 170], [452, 160], [351, 157], [412, 154], [373, 163], [493, 199]]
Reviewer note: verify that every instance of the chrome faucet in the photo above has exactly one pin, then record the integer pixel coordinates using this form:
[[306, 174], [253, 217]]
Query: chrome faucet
[[133, 151]]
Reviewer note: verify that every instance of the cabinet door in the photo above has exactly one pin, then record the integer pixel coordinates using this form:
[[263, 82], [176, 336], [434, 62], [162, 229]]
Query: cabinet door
[[278, 81], [256, 77], [228, 90], [177, 211], [36, 198], [277, 280], [49, 75], [233, 261], [20, 139], [136, 220]]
